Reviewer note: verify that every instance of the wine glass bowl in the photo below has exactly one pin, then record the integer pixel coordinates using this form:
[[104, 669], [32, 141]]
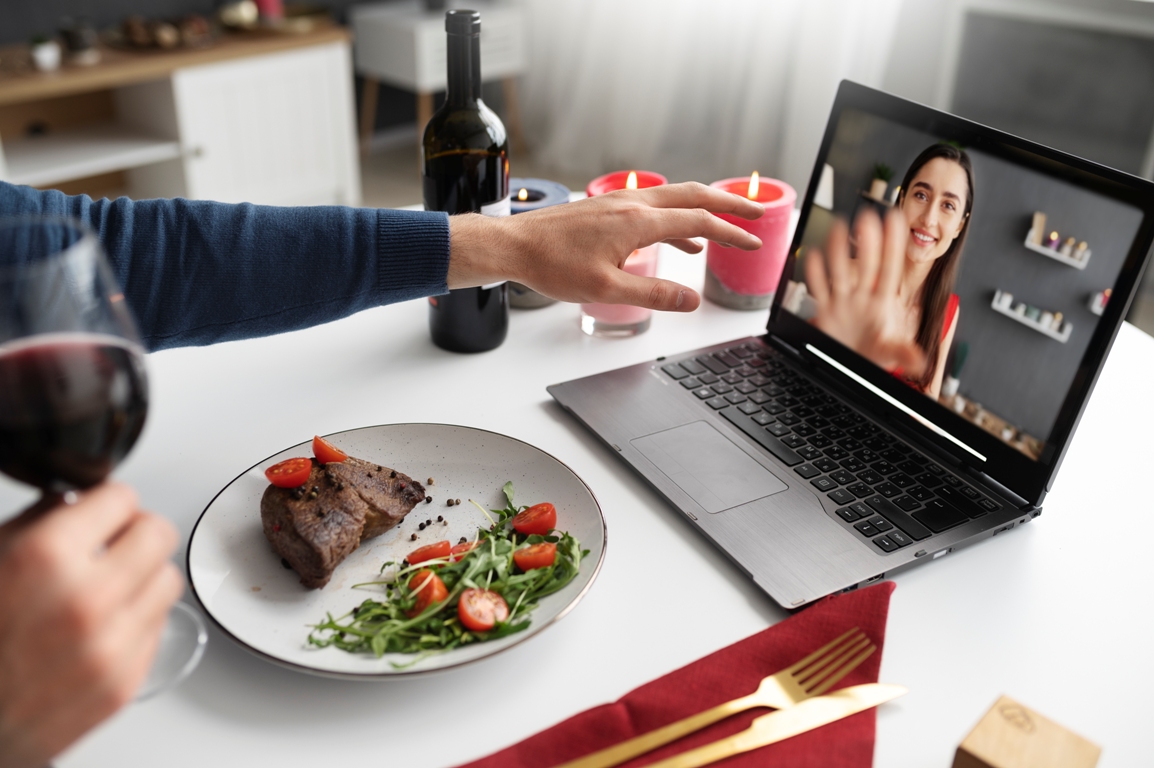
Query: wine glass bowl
[[73, 387], [73, 390]]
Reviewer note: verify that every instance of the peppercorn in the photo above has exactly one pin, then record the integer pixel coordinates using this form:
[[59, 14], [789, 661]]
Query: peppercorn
[[440, 518], [430, 481], [413, 537], [463, 540], [449, 503], [458, 501], [421, 526]]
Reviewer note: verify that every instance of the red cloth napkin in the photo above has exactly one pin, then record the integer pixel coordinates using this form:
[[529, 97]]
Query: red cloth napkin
[[727, 674]]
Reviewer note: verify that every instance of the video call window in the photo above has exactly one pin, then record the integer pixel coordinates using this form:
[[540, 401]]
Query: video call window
[[1006, 270]]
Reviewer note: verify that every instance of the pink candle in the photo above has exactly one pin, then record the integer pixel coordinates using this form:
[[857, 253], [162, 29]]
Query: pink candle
[[747, 279], [623, 319], [270, 9], [611, 182]]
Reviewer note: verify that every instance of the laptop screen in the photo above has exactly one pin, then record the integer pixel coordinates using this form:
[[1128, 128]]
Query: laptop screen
[[987, 299]]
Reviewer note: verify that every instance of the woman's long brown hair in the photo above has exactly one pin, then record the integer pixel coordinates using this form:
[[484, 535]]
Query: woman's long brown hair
[[939, 284]]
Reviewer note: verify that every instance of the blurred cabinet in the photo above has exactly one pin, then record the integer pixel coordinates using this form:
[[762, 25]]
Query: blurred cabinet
[[264, 120], [274, 129]]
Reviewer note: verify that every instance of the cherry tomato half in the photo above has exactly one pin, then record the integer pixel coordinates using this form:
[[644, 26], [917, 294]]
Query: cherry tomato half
[[326, 452], [429, 551], [536, 556], [480, 609], [539, 518], [429, 590], [289, 473], [460, 550]]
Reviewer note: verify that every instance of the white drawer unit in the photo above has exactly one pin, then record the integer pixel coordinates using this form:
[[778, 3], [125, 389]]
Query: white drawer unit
[[274, 129]]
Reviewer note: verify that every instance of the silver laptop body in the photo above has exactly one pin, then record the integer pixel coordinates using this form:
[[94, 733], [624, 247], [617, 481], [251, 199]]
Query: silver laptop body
[[874, 476]]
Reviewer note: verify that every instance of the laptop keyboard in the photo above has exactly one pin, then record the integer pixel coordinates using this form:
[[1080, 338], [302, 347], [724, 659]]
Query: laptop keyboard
[[887, 492]]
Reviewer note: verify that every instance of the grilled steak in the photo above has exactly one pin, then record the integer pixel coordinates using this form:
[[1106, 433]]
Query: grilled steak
[[315, 527], [389, 495]]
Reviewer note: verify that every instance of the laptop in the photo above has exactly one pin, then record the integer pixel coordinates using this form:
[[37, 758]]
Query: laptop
[[818, 470]]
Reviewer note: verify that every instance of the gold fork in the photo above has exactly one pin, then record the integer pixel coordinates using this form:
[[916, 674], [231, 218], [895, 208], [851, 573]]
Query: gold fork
[[812, 676]]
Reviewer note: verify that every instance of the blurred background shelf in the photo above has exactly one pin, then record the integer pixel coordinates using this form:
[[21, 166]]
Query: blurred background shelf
[[43, 160], [1051, 253], [1062, 336], [255, 118]]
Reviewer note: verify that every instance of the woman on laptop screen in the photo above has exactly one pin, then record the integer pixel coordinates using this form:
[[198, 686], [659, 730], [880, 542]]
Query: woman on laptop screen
[[894, 304]]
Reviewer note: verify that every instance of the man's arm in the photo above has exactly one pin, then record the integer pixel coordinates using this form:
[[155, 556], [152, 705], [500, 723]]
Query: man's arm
[[197, 272], [200, 272]]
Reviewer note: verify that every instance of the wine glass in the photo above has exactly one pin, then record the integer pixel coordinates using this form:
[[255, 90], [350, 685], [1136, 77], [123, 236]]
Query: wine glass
[[73, 389]]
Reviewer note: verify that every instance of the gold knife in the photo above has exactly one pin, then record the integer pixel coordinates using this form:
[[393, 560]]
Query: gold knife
[[784, 723]]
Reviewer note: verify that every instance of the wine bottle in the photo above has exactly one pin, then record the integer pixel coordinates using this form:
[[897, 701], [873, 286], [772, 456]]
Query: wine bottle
[[465, 168]]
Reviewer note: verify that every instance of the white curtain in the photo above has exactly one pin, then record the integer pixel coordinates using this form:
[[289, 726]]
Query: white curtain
[[694, 89]]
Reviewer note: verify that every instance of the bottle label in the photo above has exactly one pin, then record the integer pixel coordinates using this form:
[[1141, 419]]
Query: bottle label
[[502, 207]]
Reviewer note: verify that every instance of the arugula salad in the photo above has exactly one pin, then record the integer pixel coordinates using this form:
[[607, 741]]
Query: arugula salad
[[443, 596]]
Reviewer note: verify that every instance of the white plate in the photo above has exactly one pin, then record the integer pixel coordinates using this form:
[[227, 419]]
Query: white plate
[[246, 590]]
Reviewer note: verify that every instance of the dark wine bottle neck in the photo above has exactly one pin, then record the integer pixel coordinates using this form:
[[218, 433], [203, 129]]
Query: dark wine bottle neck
[[464, 86]]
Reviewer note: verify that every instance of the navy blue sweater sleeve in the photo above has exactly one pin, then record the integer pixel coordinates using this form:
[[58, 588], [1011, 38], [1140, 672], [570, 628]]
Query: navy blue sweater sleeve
[[197, 272]]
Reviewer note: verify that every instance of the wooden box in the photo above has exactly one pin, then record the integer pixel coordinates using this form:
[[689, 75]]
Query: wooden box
[[1011, 735]]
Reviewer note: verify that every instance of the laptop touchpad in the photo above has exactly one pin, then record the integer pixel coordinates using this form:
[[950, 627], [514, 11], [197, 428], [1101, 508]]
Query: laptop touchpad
[[708, 467]]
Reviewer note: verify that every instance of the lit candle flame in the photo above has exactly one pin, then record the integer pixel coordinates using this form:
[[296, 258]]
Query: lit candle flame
[[631, 182], [754, 182], [523, 195]]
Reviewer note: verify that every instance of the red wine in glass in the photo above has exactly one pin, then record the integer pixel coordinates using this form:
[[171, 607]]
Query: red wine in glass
[[73, 389], [71, 407]]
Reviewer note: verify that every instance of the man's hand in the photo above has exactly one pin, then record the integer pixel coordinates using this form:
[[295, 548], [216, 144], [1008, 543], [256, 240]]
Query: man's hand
[[85, 590], [574, 252], [857, 298]]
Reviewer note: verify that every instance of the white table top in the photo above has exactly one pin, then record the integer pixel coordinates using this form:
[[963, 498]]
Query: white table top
[[1051, 614]]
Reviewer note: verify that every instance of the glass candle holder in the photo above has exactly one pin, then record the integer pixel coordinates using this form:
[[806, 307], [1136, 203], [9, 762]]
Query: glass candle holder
[[748, 279], [620, 320], [623, 320]]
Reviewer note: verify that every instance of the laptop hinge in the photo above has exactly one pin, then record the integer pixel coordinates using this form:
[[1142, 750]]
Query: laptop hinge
[[1006, 493], [785, 346]]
